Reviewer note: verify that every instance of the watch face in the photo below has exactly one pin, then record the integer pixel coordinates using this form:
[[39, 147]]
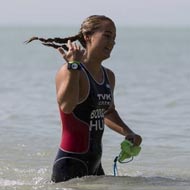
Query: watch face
[[74, 66]]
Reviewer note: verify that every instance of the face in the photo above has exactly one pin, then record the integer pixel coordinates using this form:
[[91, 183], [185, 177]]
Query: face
[[102, 41]]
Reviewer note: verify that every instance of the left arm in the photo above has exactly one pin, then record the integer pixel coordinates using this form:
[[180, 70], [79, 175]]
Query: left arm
[[114, 121]]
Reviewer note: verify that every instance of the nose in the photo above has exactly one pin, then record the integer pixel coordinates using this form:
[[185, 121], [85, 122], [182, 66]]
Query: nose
[[112, 43]]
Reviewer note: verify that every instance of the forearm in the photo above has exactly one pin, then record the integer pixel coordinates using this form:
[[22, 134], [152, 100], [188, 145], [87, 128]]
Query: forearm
[[113, 121]]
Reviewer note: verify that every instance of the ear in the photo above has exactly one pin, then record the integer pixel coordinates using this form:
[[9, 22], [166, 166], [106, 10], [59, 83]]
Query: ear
[[87, 37]]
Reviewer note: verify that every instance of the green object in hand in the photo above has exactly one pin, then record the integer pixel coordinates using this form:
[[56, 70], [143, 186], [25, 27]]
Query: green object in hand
[[128, 150]]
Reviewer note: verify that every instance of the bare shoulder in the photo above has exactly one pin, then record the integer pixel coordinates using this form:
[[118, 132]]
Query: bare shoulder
[[61, 75], [61, 71]]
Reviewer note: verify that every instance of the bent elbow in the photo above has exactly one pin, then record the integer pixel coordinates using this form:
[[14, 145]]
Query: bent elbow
[[65, 107]]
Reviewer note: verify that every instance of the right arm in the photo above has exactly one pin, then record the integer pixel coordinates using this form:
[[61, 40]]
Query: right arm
[[67, 88], [67, 81]]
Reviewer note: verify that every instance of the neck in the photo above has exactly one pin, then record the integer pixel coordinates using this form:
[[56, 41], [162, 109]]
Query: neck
[[93, 65]]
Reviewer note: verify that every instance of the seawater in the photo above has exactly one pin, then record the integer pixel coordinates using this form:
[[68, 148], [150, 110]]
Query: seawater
[[152, 95]]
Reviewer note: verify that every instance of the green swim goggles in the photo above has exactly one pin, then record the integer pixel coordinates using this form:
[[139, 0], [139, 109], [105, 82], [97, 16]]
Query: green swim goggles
[[128, 151]]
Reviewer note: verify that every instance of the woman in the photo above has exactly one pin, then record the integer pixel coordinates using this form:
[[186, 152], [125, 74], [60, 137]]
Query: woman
[[84, 91]]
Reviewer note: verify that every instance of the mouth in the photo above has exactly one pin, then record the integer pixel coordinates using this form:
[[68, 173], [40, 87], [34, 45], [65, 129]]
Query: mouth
[[108, 49], [107, 52]]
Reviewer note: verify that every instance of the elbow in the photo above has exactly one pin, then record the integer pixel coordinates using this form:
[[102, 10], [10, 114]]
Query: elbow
[[65, 107]]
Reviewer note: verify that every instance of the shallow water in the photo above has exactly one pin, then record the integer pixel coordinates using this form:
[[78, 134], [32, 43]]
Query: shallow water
[[152, 96]]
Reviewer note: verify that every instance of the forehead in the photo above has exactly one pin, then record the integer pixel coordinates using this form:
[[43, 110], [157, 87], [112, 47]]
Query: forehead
[[109, 27]]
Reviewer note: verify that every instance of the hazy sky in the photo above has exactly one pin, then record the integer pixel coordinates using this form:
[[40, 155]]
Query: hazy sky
[[123, 12]]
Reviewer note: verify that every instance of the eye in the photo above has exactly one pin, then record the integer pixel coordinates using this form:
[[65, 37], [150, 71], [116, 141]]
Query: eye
[[107, 35]]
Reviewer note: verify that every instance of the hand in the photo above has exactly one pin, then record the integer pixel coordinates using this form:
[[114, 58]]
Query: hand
[[74, 53], [134, 138]]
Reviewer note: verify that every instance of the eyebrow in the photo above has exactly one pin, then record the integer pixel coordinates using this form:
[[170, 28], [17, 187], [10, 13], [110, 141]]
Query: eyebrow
[[108, 31]]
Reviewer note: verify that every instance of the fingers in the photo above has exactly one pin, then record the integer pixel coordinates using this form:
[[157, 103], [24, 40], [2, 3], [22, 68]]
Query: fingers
[[138, 140], [74, 53], [61, 51], [134, 138], [72, 46]]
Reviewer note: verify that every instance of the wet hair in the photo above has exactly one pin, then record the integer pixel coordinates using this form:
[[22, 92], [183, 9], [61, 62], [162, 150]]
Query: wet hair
[[88, 27]]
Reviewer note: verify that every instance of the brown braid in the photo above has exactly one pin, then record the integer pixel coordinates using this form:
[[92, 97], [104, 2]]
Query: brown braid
[[88, 27], [52, 41]]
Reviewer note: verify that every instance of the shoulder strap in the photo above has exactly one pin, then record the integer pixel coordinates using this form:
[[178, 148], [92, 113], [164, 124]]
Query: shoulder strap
[[105, 74]]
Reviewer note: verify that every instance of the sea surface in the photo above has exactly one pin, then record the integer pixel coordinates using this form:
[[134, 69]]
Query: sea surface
[[152, 95]]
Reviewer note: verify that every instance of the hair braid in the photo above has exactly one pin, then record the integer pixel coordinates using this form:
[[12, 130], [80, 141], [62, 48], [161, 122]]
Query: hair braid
[[88, 27], [59, 42], [81, 39]]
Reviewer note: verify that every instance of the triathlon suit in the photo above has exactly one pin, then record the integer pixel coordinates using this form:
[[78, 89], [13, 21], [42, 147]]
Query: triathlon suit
[[81, 144]]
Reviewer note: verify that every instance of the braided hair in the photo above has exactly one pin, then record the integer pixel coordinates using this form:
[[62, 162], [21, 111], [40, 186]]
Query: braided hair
[[88, 27]]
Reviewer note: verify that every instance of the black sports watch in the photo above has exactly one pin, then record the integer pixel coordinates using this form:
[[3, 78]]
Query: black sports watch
[[74, 65]]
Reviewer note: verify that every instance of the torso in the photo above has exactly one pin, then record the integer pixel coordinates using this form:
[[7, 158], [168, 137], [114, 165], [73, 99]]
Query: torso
[[83, 128], [84, 84]]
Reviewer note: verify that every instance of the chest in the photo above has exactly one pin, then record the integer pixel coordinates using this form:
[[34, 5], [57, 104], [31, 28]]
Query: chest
[[100, 95]]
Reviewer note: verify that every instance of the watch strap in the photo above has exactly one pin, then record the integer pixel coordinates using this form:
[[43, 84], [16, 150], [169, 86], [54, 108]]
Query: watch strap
[[74, 65]]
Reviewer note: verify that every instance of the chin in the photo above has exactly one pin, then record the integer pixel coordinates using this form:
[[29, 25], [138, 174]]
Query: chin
[[106, 56]]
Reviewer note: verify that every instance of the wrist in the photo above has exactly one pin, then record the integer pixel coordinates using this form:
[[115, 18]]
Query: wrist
[[78, 62], [128, 131], [74, 65]]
